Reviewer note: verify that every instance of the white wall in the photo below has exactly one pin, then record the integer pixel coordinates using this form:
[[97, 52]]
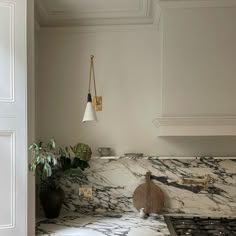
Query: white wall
[[199, 55], [127, 68]]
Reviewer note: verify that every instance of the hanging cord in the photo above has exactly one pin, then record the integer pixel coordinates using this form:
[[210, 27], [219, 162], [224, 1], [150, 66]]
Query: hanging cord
[[94, 82], [92, 72]]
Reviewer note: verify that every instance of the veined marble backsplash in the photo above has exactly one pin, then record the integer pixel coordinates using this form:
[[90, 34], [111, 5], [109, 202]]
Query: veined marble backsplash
[[115, 179]]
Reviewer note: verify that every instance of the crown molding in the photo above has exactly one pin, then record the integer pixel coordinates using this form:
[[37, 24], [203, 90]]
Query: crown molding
[[148, 13], [95, 22], [155, 12], [143, 15], [99, 28], [40, 11], [196, 3], [141, 11], [196, 126]]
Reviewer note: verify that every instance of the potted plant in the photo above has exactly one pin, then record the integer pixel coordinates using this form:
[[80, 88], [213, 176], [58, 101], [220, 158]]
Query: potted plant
[[50, 163]]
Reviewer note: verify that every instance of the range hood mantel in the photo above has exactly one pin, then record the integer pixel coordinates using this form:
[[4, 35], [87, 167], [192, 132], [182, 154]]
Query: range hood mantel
[[197, 68], [196, 126]]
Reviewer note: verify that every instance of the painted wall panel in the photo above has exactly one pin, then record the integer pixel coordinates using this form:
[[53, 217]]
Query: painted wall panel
[[199, 55], [7, 184], [6, 52]]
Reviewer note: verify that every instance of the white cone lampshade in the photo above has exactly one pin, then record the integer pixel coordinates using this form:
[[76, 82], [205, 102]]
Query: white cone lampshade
[[89, 114]]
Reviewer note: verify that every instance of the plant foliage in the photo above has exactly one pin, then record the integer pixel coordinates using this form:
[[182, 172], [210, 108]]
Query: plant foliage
[[51, 162], [45, 157], [82, 151]]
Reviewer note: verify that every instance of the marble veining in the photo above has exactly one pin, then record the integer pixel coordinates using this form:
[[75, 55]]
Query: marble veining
[[114, 181], [102, 225]]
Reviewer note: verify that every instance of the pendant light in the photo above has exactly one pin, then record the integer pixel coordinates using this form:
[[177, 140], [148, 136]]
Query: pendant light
[[90, 114]]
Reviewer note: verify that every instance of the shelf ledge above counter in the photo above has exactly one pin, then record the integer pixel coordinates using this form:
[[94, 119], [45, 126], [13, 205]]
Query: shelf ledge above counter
[[196, 126]]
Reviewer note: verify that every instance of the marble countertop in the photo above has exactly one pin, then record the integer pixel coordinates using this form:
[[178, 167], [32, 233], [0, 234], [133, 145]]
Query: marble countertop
[[127, 224]]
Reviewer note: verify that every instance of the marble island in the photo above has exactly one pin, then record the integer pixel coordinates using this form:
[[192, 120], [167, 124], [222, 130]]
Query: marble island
[[127, 224]]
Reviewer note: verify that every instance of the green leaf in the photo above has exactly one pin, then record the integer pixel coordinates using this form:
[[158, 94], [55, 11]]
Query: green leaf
[[73, 149], [31, 167], [31, 146], [42, 161], [49, 158], [47, 170], [54, 160], [53, 143]]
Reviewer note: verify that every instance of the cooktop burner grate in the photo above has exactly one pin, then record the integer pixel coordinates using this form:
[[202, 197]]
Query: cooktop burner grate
[[201, 226]]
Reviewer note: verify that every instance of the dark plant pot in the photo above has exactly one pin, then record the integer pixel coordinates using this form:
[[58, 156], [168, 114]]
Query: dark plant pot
[[51, 201]]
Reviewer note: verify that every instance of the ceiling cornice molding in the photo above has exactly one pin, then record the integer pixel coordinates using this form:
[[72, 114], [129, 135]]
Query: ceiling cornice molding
[[97, 22], [155, 12], [40, 10], [99, 28], [142, 16], [148, 13], [196, 3], [141, 11]]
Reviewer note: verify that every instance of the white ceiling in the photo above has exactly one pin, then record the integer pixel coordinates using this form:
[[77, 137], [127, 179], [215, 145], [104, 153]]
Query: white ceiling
[[93, 12]]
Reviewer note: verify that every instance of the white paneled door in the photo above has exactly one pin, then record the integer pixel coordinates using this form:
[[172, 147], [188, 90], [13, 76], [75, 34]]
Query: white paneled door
[[13, 123]]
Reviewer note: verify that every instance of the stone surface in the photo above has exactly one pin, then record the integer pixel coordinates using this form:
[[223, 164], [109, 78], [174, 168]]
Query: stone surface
[[114, 182], [110, 212], [102, 225]]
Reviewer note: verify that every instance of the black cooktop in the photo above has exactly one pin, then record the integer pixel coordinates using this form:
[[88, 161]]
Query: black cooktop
[[201, 226]]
